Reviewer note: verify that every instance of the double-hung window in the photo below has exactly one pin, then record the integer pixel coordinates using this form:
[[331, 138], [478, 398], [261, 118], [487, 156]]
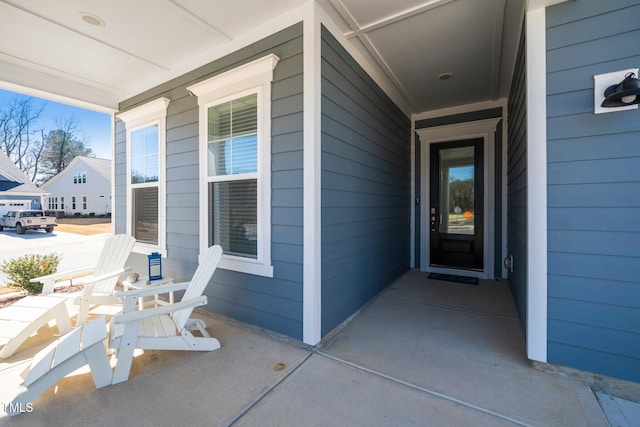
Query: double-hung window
[[235, 165], [53, 203], [232, 176], [80, 178], [146, 197]]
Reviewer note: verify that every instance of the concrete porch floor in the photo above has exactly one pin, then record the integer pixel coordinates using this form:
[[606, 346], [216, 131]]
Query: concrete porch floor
[[423, 352]]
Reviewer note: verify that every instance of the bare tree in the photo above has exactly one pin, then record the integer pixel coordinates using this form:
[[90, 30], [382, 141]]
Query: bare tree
[[34, 164], [18, 119], [41, 155]]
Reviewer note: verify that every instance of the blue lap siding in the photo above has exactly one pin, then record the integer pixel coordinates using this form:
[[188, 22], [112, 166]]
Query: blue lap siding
[[517, 185], [593, 192], [366, 206], [274, 303]]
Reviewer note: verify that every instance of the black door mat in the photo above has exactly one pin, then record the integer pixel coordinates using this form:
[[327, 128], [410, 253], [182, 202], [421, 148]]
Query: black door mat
[[454, 278]]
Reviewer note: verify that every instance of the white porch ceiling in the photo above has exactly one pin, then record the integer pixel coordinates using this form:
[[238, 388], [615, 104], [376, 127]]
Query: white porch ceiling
[[47, 48]]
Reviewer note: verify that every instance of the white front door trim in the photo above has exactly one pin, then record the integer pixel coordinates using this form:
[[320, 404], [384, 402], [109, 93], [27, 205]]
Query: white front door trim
[[477, 129]]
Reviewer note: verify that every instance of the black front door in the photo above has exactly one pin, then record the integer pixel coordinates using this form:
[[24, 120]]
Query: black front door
[[457, 200]]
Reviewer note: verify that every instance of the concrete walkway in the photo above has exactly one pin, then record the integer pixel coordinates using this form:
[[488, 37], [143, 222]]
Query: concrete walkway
[[424, 353]]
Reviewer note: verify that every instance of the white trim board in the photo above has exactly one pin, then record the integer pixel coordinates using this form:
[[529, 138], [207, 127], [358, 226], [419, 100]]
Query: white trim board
[[312, 274], [113, 173], [536, 185], [536, 72], [460, 109], [484, 129]]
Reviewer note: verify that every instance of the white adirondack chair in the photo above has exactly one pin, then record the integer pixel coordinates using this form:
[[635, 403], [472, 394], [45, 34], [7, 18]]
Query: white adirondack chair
[[21, 319], [99, 281], [82, 346], [166, 327]]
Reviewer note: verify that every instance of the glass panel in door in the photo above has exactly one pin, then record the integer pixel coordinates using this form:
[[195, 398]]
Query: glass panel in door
[[456, 204]]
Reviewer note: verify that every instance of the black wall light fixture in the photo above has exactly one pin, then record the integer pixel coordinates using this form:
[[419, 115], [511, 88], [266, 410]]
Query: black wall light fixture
[[616, 91], [625, 93]]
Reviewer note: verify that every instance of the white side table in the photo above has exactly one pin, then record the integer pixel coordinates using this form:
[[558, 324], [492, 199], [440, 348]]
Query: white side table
[[142, 283]]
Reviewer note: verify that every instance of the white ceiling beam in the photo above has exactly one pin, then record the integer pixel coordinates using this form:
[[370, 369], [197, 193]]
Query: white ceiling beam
[[346, 15], [364, 58], [396, 17], [37, 66], [496, 48], [47, 85], [175, 5]]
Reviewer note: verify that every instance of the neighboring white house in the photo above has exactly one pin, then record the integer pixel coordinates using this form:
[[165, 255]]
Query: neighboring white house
[[83, 187], [16, 189]]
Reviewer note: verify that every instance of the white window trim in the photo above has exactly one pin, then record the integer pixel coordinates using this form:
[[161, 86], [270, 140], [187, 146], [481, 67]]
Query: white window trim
[[149, 114], [253, 77]]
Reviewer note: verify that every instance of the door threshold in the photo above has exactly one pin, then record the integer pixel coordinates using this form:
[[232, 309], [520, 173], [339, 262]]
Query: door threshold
[[480, 274], [477, 270]]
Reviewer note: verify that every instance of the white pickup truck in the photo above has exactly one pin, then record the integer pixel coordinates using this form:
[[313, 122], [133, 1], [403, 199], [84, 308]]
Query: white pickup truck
[[28, 220]]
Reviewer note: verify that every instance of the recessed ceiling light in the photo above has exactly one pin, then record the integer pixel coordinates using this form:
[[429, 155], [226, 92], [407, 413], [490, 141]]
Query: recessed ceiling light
[[445, 76], [91, 19]]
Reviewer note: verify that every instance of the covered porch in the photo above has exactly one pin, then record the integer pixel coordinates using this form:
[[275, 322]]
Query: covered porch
[[422, 352], [571, 315]]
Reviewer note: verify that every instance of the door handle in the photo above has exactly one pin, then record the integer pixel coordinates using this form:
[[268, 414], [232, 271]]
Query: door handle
[[433, 219]]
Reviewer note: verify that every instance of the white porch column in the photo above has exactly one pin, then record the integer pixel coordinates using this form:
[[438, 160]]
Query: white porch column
[[536, 183], [311, 291]]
